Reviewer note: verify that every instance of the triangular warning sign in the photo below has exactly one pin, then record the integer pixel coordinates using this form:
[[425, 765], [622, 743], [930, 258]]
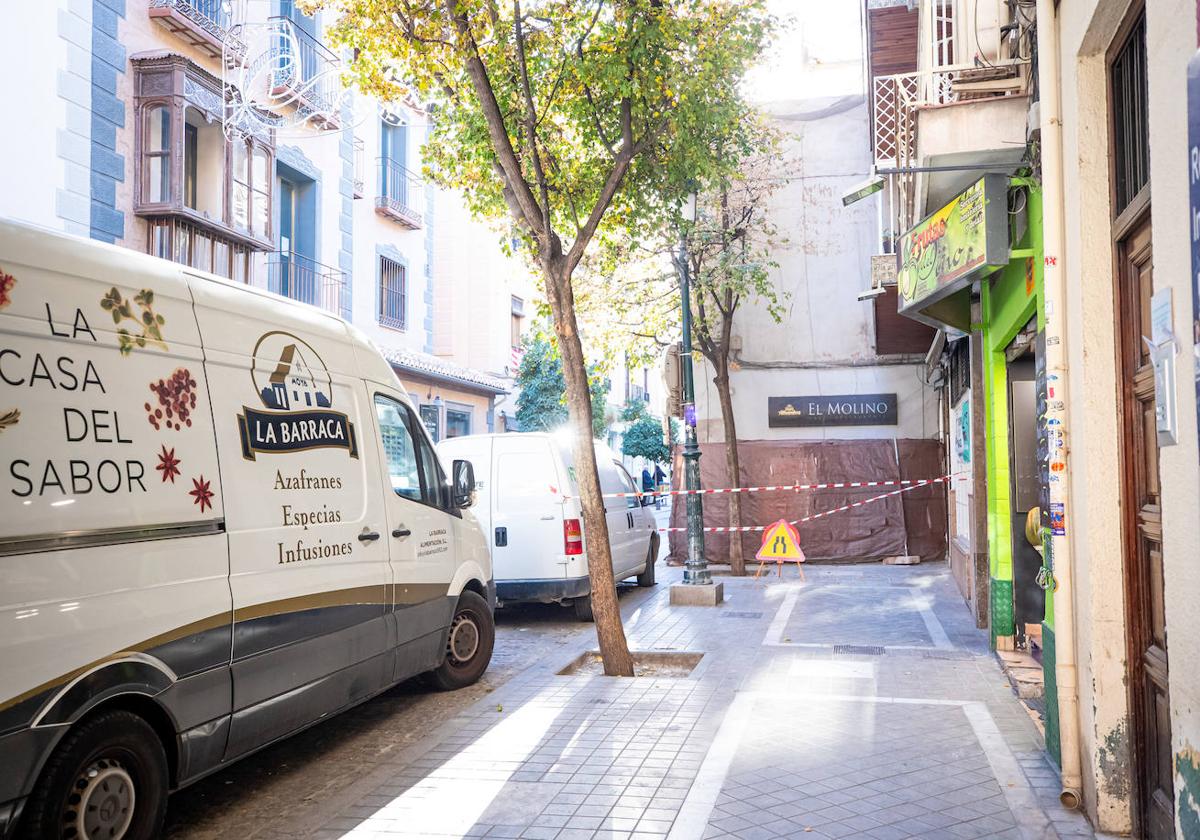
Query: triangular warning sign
[[781, 541]]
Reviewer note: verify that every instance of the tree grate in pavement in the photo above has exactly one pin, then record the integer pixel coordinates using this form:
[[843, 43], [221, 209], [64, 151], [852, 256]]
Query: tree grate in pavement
[[740, 614], [858, 650]]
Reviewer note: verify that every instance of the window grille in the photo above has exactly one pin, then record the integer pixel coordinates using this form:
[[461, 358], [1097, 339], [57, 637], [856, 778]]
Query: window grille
[[1131, 119], [393, 294]]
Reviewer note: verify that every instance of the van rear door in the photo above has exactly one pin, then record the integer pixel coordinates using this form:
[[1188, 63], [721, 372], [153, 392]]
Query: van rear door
[[527, 500]]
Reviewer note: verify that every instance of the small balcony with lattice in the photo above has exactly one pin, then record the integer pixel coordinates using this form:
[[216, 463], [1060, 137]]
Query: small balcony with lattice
[[949, 87]]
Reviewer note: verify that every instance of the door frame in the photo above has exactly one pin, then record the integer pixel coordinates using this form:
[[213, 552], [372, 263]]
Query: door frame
[[1135, 586], [1134, 583]]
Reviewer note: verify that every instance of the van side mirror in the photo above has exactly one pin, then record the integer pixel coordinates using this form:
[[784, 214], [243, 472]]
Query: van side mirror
[[463, 487]]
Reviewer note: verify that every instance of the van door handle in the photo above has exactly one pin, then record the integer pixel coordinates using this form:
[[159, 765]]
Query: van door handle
[[401, 532], [548, 517], [368, 536]]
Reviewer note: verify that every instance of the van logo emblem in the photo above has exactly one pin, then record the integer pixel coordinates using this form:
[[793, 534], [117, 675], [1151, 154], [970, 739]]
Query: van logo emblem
[[296, 389]]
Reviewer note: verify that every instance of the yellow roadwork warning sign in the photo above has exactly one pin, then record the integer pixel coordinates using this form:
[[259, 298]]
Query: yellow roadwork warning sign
[[781, 542]]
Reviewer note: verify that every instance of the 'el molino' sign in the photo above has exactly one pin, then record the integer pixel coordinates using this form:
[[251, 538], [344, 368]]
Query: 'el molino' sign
[[832, 410]]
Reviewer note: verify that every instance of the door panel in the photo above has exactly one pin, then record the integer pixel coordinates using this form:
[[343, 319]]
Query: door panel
[[418, 537], [1143, 561], [527, 506], [638, 537], [308, 594], [615, 513]]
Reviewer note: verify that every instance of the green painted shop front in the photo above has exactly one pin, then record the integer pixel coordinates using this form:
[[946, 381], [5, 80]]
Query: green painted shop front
[[1005, 286]]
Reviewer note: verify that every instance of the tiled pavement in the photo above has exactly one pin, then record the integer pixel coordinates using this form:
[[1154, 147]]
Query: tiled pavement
[[861, 703]]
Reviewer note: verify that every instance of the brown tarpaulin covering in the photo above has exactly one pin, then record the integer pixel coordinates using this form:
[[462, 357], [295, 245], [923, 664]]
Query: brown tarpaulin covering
[[909, 523]]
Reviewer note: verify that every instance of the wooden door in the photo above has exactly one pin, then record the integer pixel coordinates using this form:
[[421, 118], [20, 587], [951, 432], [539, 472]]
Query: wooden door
[[1143, 542]]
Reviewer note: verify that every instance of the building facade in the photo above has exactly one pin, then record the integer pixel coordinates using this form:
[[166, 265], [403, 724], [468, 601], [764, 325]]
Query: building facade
[[1019, 154], [219, 135], [836, 391]]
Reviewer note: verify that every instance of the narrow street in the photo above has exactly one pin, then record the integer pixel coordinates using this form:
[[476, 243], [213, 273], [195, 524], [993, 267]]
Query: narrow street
[[861, 702]]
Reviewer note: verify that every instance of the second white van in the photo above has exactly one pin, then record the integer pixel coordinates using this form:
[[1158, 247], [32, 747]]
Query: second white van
[[528, 504]]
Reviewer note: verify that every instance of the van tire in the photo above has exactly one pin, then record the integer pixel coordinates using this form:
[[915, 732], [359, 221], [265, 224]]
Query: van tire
[[646, 578], [472, 617], [116, 747], [583, 608]]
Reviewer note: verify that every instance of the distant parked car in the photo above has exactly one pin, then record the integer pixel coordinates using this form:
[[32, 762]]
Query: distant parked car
[[528, 505]]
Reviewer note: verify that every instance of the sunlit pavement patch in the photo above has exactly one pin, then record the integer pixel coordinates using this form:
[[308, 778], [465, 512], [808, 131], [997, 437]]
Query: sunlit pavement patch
[[762, 740]]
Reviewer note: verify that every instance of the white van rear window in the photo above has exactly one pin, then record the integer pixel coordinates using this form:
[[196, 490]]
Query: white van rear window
[[523, 476]]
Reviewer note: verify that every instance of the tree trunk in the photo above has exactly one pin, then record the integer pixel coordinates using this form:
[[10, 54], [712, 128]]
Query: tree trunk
[[610, 632], [737, 562]]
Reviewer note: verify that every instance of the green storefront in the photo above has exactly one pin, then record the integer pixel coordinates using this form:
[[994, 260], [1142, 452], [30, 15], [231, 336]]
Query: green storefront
[[975, 265]]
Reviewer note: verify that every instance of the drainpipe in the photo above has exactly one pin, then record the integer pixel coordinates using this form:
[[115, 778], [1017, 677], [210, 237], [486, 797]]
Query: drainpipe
[[1054, 286]]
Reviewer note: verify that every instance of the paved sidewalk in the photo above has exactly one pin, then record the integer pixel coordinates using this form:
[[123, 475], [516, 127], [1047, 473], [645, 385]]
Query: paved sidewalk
[[860, 703]]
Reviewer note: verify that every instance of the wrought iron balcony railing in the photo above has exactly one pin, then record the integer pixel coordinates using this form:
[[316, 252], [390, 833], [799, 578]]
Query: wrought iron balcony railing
[[400, 194], [205, 24], [305, 72], [306, 280]]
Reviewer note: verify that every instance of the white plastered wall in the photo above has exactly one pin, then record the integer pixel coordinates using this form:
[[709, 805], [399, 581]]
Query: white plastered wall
[[372, 230], [1170, 43], [1087, 30], [825, 342], [46, 146]]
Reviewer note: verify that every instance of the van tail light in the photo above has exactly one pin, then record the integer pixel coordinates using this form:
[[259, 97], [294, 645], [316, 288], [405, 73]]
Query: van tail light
[[572, 537]]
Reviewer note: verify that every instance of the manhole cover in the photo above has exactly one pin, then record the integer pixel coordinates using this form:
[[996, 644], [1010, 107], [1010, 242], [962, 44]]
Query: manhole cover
[[858, 650], [741, 614]]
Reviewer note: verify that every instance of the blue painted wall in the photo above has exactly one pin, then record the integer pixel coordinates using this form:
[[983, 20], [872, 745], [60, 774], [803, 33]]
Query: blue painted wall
[[108, 114]]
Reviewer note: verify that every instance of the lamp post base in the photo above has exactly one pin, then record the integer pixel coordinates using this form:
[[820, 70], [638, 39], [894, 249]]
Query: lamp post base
[[692, 595]]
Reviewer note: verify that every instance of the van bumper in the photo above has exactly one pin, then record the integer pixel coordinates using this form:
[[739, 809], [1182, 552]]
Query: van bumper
[[542, 591]]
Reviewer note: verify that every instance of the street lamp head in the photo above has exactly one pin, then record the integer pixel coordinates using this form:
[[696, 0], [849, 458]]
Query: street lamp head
[[687, 207], [858, 192]]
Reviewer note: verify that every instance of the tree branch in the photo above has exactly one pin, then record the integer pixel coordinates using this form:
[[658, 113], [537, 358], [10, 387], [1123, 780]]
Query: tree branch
[[509, 165], [531, 118]]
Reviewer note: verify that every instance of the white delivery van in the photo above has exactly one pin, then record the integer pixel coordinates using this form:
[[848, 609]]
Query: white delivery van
[[528, 504], [220, 522]]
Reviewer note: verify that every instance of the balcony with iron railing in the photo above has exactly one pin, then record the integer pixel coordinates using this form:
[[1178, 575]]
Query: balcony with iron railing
[[305, 73], [974, 54], [204, 24], [306, 280], [400, 194]]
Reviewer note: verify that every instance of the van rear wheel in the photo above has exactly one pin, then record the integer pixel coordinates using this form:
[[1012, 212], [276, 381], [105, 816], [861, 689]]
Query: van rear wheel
[[646, 578], [468, 644], [108, 778], [583, 608]]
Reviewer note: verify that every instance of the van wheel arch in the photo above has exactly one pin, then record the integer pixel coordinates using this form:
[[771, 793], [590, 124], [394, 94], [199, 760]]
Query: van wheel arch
[[145, 751], [474, 585], [151, 711]]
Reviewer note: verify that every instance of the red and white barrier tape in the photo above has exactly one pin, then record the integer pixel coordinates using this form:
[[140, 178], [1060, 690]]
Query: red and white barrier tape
[[913, 485], [831, 485]]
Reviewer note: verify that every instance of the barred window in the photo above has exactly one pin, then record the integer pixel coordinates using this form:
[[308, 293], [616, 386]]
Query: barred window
[[1131, 117], [393, 294], [960, 369]]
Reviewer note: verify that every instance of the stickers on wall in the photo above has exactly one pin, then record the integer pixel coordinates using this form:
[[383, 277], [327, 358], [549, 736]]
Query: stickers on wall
[[1058, 519]]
